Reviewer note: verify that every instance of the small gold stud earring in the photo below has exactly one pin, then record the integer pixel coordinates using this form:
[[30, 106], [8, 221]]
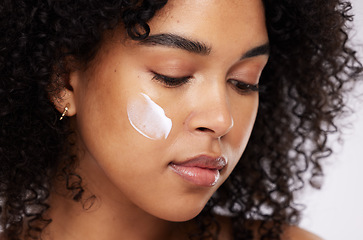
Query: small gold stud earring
[[64, 112]]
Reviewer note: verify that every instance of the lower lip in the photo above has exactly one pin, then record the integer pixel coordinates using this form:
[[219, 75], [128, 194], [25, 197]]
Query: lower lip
[[196, 175]]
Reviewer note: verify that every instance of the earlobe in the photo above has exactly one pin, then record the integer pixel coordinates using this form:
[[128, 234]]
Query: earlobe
[[64, 98]]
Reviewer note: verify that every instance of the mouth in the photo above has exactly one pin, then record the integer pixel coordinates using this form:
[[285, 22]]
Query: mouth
[[201, 171]]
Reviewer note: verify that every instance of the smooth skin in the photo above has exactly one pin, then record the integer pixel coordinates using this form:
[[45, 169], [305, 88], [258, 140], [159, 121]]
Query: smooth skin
[[138, 195]]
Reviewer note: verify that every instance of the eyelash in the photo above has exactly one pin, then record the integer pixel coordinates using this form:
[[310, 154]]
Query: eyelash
[[244, 88], [241, 87], [170, 81]]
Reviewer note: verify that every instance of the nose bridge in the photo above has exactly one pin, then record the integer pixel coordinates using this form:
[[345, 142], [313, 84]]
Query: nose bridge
[[212, 113]]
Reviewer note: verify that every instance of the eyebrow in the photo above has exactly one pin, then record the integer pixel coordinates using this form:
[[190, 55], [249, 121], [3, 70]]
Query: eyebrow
[[176, 41], [263, 49]]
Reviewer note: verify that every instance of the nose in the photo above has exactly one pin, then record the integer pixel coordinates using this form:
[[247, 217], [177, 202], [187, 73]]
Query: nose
[[211, 114]]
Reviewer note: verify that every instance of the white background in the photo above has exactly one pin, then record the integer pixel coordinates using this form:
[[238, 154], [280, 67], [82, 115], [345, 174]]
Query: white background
[[336, 211]]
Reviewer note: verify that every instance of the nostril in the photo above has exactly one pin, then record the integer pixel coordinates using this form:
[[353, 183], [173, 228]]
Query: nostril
[[204, 129]]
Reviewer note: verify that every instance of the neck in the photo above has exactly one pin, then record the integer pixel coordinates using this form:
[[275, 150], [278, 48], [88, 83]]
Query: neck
[[102, 221], [105, 216]]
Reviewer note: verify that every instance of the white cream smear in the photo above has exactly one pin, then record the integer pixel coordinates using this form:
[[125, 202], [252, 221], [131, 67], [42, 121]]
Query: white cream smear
[[148, 118]]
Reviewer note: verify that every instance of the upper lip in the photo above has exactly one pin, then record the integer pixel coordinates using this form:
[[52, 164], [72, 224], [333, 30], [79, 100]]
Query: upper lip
[[204, 161]]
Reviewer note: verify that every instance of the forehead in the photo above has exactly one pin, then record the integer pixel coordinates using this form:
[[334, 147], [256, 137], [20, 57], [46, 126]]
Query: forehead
[[214, 22]]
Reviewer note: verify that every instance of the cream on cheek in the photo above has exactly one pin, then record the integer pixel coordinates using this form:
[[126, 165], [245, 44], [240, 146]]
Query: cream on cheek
[[148, 118]]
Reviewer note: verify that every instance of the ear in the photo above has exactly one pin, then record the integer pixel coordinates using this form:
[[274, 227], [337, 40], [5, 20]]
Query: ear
[[64, 95]]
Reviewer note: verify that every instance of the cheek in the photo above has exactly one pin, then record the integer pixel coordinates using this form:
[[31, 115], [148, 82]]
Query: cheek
[[148, 118], [244, 118]]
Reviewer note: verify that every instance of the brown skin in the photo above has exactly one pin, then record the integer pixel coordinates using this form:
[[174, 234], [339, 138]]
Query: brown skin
[[290, 232], [130, 174], [295, 233]]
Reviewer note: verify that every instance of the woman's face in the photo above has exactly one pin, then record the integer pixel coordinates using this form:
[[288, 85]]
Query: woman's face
[[163, 122]]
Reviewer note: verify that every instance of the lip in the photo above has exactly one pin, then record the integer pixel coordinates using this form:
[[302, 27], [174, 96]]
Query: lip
[[201, 170]]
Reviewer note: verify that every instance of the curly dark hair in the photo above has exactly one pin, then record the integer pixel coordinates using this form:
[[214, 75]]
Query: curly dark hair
[[310, 69]]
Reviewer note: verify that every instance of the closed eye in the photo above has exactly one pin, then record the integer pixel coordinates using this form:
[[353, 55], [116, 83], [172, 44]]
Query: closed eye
[[243, 88], [170, 81]]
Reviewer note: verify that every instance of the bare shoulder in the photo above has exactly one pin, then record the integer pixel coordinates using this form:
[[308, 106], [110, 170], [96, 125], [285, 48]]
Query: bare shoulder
[[296, 233], [289, 232]]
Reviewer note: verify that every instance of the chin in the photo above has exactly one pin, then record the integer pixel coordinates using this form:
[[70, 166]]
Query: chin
[[181, 214], [183, 217]]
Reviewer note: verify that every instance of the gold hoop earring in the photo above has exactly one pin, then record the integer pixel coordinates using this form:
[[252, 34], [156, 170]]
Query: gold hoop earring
[[64, 112]]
